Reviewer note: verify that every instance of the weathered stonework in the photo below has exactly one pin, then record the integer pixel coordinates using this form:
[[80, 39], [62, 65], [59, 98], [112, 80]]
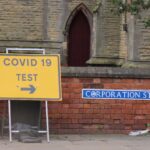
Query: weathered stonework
[[107, 36], [41, 23], [138, 42], [21, 20]]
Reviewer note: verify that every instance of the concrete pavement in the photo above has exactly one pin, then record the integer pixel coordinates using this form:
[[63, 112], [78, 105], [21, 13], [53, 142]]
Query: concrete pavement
[[83, 142]]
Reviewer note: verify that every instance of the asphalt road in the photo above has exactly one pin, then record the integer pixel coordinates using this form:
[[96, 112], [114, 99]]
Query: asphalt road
[[82, 142]]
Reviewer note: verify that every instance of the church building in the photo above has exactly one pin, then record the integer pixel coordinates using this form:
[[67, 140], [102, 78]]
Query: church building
[[98, 50]]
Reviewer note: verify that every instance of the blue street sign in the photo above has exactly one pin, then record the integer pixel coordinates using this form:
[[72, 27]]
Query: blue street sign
[[116, 94]]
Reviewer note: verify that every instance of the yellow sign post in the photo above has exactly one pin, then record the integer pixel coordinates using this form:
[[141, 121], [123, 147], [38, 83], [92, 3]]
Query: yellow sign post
[[34, 77]]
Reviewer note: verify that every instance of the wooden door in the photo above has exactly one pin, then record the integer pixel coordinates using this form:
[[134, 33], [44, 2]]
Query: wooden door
[[79, 41]]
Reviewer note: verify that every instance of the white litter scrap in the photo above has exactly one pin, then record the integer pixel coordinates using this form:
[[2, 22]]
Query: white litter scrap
[[140, 132]]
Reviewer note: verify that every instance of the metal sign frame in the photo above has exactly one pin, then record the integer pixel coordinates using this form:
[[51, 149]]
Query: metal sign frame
[[9, 101]]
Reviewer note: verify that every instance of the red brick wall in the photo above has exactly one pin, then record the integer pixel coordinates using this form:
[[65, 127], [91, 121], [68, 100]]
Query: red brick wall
[[77, 115], [3, 108]]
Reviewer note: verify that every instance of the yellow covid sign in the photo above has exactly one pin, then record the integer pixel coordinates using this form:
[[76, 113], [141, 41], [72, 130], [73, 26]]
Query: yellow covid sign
[[34, 77]]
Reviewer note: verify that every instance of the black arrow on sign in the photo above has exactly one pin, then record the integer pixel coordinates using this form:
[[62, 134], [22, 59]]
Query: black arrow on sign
[[31, 89]]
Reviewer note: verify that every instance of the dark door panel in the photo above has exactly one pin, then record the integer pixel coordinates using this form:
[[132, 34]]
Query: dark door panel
[[26, 112], [79, 41]]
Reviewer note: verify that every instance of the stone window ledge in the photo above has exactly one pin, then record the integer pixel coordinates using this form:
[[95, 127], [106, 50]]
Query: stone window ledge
[[107, 72]]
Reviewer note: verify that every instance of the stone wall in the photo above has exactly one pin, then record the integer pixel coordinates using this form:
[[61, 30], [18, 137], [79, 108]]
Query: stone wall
[[41, 24], [58, 14], [138, 41], [30, 19], [21, 20], [144, 45], [36, 23], [108, 46]]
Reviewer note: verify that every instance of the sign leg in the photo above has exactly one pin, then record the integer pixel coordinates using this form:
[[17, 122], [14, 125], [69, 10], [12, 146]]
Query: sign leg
[[47, 120], [9, 116]]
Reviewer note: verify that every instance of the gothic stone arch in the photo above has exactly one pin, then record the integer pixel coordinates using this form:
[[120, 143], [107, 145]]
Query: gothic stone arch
[[80, 8]]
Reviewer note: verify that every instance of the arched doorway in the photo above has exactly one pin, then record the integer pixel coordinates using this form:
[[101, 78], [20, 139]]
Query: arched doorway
[[79, 40]]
